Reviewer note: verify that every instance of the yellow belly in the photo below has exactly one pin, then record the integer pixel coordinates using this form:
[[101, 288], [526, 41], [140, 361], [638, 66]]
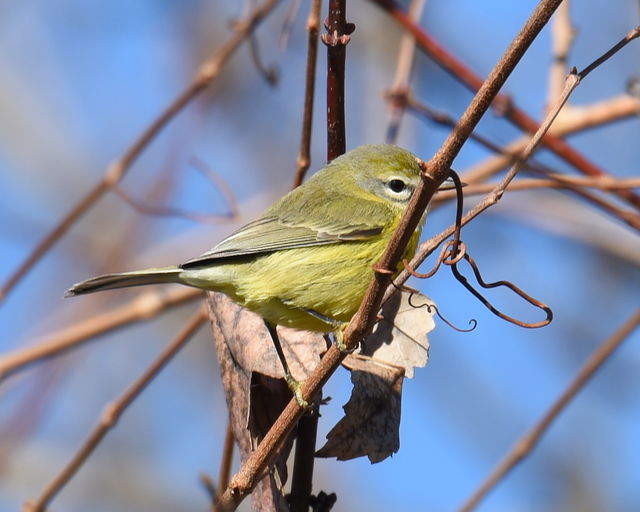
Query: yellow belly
[[283, 286]]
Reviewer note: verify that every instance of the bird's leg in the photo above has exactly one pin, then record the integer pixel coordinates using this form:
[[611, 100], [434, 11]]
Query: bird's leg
[[338, 335], [294, 385], [337, 327]]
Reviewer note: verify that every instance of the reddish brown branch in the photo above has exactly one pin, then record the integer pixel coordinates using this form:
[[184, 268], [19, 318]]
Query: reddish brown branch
[[528, 442], [604, 182], [112, 413], [503, 103], [336, 39], [206, 74]]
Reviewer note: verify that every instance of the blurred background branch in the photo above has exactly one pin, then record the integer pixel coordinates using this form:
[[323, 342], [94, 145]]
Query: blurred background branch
[[79, 79]]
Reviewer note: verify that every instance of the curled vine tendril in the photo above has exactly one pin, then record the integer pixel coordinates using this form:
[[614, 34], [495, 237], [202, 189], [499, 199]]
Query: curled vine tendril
[[473, 322], [454, 251]]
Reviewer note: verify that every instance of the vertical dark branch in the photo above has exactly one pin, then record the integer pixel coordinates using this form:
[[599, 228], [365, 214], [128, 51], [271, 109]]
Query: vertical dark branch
[[302, 478], [336, 39], [313, 27]]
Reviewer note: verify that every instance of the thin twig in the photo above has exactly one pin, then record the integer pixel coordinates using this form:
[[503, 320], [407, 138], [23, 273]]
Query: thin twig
[[270, 74], [112, 413], [160, 210], [562, 36], [227, 458], [554, 181], [572, 81], [210, 488], [525, 445], [304, 156], [567, 122], [205, 169], [629, 217], [631, 35], [143, 307], [403, 73], [503, 103], [287, 25], [205, 76], [242, 483]]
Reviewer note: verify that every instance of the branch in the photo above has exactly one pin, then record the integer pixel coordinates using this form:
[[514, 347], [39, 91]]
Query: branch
[[225, 464], [400, 84], [527, 443], [112, 413], [562, 36], [242, 483], [555, 181], [336, 39], [160, 210], [146, 305], [574, 120], [504, 104], [302, 478], [205, 76], [558, 181], [304, 158], [572, 81]]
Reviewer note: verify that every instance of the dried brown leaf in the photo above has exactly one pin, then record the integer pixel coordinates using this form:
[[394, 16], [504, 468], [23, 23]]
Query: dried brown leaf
[[251, 345], [372, 414], [396, 346]]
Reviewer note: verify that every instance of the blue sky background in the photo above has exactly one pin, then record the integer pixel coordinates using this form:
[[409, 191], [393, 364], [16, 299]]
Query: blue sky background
[[80, 80]]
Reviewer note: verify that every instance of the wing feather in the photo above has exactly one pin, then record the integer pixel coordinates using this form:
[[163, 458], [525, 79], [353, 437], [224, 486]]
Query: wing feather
[[289, 227]]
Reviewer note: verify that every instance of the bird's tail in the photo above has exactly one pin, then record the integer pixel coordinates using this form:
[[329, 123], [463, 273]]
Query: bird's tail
[[125, 279]]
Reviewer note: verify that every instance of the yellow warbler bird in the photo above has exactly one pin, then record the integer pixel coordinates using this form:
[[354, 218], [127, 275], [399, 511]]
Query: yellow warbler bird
[[307, 261]]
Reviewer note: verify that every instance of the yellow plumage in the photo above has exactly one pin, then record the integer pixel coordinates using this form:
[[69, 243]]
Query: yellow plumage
[[307, 261], [280, 287]]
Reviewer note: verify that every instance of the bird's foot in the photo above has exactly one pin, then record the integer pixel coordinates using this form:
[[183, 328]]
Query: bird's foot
[[296, 389]]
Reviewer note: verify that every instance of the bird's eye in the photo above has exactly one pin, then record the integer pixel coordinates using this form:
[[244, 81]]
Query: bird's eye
[[396, 185]]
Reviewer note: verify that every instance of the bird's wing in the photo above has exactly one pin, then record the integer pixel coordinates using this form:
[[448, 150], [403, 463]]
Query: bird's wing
[[332, 222]]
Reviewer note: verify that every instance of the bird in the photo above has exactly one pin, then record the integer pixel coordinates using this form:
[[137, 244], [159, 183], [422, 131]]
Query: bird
[[307, 261]]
